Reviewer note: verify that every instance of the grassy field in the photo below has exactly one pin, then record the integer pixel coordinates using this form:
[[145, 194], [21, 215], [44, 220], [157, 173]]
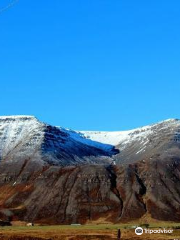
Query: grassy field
[[86, 232]]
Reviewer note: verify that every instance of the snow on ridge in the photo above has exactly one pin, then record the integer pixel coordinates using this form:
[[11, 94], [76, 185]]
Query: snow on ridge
[[106, 140], [113, 138], [18, 130], [124, 137], [80, 137], [17, 117], [17, 127], [170, 120], [117, 137]]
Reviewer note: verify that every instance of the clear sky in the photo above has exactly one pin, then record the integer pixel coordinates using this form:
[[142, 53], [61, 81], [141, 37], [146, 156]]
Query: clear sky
[[91, 64]]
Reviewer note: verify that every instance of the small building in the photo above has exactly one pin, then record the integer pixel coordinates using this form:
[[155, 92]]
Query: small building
[[30, 224]]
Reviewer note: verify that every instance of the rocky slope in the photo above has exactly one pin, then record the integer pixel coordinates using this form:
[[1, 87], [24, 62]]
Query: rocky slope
[[24, 137], [158, 139], [54, 175]]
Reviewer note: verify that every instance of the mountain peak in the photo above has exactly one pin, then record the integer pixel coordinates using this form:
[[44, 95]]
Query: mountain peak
[[18, 117], [171, 120]]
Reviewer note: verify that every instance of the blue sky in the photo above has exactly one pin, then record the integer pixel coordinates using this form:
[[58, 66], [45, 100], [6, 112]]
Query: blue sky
[[91, 65]]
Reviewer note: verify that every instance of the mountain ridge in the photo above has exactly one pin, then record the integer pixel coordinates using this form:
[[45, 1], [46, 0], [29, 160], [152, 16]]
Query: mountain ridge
[[53, 175]]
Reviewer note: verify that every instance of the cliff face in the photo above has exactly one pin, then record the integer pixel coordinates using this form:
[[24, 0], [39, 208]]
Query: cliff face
[[77, 194], [50, 175]]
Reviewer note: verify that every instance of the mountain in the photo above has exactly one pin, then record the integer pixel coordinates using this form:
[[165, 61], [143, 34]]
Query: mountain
[[24, 137], [160, 139], [54, 175]]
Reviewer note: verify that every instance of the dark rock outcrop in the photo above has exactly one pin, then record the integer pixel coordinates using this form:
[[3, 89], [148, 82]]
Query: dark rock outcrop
[[87, 193]]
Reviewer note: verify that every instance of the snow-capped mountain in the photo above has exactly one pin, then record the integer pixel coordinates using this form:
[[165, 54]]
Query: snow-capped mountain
[[24, 137], [56, 175], [140, 143], [20, 135], [123, 137]]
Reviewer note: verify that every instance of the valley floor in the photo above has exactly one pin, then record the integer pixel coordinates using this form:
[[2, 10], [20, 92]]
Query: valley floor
[[85, 232]]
